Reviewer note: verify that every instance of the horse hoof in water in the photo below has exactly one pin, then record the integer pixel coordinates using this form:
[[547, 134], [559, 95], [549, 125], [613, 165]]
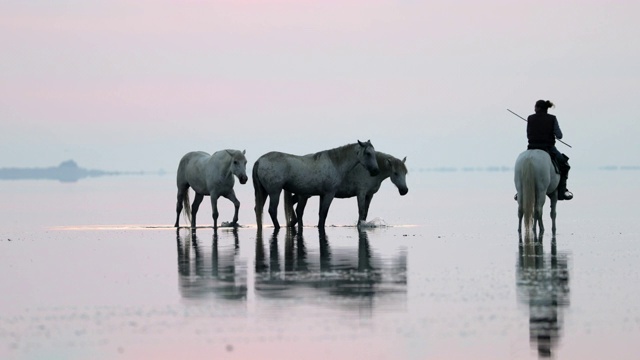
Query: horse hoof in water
[[232, 224]]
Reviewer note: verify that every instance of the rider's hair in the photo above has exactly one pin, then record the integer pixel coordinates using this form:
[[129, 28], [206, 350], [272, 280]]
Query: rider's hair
[[544, 105]]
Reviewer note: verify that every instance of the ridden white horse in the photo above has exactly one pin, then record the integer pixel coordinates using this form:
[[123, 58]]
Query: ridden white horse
[[209, 175], [359, 183], [314, 174], [535, 178]]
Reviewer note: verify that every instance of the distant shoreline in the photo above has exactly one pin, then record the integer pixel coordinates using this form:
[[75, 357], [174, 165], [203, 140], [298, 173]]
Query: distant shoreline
[[67, 171]]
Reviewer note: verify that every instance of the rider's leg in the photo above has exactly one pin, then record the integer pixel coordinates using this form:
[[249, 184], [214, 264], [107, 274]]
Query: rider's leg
[[563, 165]]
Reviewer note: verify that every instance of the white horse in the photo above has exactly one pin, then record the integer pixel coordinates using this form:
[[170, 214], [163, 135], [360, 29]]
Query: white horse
[[210, 175], [314, 174], [535, 178], [358, 182]]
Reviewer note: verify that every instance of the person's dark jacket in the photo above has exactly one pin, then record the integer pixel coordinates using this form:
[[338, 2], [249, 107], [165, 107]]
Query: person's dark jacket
[[543, 130]]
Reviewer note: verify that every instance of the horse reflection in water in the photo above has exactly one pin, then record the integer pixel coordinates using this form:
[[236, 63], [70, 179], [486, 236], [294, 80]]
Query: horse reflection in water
[[211, 272], [543, 285], [355, 273]]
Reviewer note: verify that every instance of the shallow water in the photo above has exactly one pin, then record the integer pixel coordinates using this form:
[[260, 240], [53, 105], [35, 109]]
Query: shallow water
[[94, 270]]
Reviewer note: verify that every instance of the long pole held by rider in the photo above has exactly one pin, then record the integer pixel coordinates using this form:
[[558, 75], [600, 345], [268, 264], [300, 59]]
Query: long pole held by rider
[[527, 121]]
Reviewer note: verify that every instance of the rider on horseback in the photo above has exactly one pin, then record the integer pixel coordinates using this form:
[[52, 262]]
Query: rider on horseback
[[542, 132]]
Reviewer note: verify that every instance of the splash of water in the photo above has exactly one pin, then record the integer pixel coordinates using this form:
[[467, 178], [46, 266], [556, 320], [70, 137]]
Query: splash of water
[[375, 223]]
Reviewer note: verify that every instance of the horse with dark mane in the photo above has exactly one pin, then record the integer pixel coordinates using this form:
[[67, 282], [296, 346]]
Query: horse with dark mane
[[359, 183], [309, 175]]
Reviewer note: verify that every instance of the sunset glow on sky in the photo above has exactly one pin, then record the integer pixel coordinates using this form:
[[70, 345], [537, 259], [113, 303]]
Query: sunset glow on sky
[[123, 85]]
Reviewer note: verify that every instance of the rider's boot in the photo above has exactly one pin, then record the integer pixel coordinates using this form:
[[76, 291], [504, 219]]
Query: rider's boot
[[563, 192]]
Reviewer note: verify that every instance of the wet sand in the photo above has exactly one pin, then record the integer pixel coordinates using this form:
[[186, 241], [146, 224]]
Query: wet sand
[[92, 270]]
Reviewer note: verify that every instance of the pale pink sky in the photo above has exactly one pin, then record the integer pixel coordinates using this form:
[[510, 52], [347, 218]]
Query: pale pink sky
[[128, 85]]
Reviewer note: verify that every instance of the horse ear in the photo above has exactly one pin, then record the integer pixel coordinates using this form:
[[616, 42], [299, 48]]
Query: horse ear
[[360, 143], [405, 159], [244, 152]]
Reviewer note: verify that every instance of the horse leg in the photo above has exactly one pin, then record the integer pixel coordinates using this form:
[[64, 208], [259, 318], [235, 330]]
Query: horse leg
[[367, 203], [194, 209], [232, 197], [289, 212], [259, 207], [537, 213], [214, 209], [274, 199], [302, 203], [325, 202], [182, 192], [362, 209], [554, 201], [520, 215]]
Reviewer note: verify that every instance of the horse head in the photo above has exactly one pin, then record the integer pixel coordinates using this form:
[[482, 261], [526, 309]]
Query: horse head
[[239, 165], [367, 157], [398, 174]]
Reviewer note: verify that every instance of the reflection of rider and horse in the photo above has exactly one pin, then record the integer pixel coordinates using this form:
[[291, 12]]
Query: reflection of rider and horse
[[542, 280], [543, 286], [357, 170]]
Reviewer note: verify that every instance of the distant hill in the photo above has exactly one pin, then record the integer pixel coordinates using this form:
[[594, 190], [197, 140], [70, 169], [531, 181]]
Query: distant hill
[[67, 171]]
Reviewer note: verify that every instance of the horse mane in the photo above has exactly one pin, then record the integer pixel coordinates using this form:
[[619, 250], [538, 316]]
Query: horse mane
[[336, 154], [384, 166], [233, 153]]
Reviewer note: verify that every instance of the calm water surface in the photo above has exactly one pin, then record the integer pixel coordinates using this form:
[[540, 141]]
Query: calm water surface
[[94, 270]]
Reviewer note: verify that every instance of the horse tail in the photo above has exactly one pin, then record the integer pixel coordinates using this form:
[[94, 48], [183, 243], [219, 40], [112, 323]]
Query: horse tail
[[527, 179], [260, 194], [186, 210]]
